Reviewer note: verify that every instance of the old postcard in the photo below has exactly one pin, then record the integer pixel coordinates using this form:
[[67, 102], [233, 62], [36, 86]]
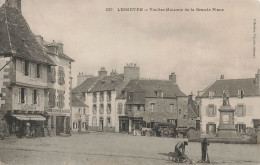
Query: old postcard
[[131, 82]]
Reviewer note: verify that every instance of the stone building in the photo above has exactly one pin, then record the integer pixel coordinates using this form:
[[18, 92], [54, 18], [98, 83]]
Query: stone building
[[80, 114], [101, 97], [144, 102], [28, 78], [244, 98]]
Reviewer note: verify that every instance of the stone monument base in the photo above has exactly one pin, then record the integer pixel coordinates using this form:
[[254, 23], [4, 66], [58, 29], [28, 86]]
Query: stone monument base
[[231, 133]]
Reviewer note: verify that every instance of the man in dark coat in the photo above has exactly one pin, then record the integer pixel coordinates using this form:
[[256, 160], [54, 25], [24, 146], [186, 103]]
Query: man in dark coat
[[204, 148], [180, 151]]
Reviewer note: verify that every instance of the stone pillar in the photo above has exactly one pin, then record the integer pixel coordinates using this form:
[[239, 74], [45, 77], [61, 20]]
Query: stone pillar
[[130, 125], [64, 125]]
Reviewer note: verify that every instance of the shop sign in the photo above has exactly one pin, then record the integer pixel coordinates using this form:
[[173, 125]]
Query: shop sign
[[58, 111]]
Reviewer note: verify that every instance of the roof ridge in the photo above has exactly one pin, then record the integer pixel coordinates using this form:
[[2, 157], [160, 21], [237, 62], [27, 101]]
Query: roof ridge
[[235, 79]]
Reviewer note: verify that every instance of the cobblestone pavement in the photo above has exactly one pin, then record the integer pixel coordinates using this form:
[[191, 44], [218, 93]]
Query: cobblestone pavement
[[112, 148]]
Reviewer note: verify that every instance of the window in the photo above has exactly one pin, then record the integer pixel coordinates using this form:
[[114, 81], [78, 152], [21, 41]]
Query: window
[[159, 93], [38, 70], [184, 116], [94, 121], [108, 108], [108, 121], [61, 76], [179, 111], [25, 67], [240, 94], [83, 124], [61, 98], [94, 109], [94, 97], [52, 98], [210, 128], [84, 111], [241, 128], [211, 110], [172, 108], [101, 109], [152, 107], [124, 94], [79, 111], [108, 96], [75, 125], [240, 110], [34, 96], [53, 74], [212, 94], [21, 95], [119, 108], [101, 98]]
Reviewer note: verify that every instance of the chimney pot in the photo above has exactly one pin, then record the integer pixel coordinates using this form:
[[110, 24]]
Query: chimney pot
[[222, 77]]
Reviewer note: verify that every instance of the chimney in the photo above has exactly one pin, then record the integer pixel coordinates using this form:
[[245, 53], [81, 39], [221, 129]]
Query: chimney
[[257, 79], [222, 77], [190, 98], [82, 77], [60, 47], [172, 77], [14, 4], [102, 72], [113, 72], [131, 71], [40, 40]]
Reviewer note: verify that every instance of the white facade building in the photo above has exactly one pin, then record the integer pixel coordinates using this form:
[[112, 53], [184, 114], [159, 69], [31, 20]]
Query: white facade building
[[244, 98]]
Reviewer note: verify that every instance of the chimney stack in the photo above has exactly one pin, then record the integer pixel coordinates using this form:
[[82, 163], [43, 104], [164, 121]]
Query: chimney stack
[[190, 98], [14, 4], [60, 47], [172, 77], [131, 71], [102, 72], [222, 77]]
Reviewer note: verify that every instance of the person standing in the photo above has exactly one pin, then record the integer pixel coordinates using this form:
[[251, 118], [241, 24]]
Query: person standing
[[204, 149], [3, 127]]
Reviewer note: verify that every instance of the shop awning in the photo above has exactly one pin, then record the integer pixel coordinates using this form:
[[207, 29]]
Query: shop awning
[[29, 117]]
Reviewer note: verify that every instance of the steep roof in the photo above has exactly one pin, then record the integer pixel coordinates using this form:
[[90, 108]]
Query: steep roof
[[78, 103], [86, 85], [108, 83], [233, 85], [150, 87], [17, 39]]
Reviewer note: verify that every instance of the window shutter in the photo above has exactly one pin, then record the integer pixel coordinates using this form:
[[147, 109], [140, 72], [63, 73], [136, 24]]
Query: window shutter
[[215, 110], [207, 111], [236, 110], [63, 76], [244, 128], [32, 100], [25, 96], [30, 69], [63, 99], [244, 110], [215, 128], [23, 67], [40, 72], [38, 96], [207, 128], [236, 125]]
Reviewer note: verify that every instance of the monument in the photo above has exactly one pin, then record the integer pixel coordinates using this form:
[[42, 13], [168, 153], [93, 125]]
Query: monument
[[226, 128]]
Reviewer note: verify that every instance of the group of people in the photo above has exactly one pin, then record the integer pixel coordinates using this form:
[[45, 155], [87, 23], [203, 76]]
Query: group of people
[[180, 151]]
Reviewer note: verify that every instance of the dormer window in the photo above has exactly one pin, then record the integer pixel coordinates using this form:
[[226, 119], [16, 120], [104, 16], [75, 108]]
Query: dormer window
[[212, 94], [240, 94], [123, 94], [159, 93]]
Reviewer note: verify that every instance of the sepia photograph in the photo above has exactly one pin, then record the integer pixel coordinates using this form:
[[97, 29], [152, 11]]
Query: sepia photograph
[[131, 82]]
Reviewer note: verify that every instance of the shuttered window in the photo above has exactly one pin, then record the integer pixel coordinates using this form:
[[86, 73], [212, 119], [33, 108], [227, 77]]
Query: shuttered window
[[61, 99], [211, 128], [52, 98], [94, 121], [34, 96], [94, 110], [108, 108], [38, 71], [211, 110], [240, 110], [61, 76]]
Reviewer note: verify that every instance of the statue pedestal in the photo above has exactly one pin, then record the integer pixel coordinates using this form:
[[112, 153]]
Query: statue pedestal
[[226, 126]]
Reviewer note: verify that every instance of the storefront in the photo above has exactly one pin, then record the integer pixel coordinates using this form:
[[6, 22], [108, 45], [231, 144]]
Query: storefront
[[123, 124], [58, 121], [25, 125]]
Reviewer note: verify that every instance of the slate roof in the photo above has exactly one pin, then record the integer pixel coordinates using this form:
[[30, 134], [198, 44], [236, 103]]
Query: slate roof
[[108, 83], [78, 103], [169, 89], [86, 85], [17, 39], [233, 85], [150, 87]]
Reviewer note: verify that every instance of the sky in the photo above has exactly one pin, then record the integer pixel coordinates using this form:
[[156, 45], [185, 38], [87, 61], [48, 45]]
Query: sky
[[198, 46]]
